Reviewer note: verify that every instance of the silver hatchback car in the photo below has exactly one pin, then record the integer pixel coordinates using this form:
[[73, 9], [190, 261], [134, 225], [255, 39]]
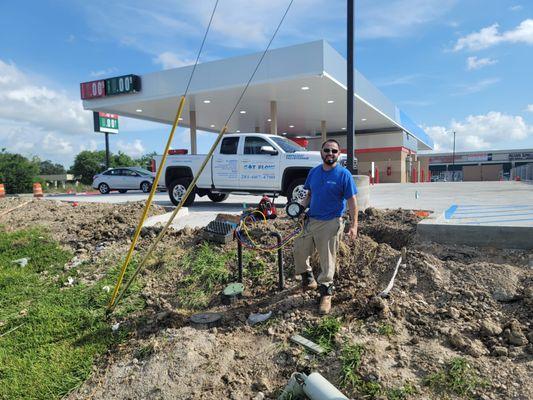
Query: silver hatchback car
[[124, 179]]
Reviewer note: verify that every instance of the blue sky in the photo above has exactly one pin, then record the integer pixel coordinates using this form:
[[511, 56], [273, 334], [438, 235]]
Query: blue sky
[[449, 64]]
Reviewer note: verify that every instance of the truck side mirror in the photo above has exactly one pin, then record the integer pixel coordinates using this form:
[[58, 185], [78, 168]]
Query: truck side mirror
[[268, 150]]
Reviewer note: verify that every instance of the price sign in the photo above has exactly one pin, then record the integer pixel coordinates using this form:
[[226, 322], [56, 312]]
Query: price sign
[[91, 90], [104, 122], [122, 84]]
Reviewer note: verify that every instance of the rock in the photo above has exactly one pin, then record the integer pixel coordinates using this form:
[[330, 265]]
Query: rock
[[378, 305], [530, 337], [489, 328], [500, 351], [517, 339], [453, 313], [271, 331], [259, 396], [476, 348]]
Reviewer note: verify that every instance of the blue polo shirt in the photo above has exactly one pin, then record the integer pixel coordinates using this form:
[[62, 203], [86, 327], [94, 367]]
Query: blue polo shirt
[[329, 191]]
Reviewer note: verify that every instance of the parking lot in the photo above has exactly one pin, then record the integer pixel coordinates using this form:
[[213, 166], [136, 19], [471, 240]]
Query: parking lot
[[436, 197]]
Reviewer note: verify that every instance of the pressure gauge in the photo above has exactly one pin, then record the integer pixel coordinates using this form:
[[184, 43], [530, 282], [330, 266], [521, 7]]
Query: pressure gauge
[[294, 209]]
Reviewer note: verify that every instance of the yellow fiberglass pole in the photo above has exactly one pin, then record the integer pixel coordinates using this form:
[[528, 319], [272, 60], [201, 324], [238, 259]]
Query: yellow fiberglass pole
[[148, 202], [112, 306]]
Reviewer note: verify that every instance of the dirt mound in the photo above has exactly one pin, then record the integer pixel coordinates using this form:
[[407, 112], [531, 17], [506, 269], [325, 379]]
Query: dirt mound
[[448, 302], [79, 226]]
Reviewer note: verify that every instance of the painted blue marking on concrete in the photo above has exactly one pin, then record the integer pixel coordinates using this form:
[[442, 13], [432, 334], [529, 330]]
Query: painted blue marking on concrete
[[498, 220], [492, 216], [449, 212], [492, 211]]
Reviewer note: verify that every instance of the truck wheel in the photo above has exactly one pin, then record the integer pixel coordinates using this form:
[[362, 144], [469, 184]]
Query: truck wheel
[[177, 190], [217, 197], [296, 190]]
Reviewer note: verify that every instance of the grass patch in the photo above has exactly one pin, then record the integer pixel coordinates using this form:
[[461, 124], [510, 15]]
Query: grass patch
[[205, 268], [458, 377], [386, 330], [351, 360], [400, 393], [50, 334], [324, 332]]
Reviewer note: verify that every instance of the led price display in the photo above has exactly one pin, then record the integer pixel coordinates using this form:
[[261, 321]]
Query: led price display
[[110, 87], [122, 84], [104, 122], [91, 90]]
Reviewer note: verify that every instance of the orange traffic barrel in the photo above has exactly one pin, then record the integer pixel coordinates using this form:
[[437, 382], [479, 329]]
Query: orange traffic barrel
[[37, 190], [2, 190]]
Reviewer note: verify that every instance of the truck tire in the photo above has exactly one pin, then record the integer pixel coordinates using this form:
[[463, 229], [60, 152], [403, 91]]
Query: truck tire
[[296, 190], [177, 189], [217, 197]]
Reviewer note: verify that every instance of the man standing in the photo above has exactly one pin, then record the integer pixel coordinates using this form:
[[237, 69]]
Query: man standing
[[329, 187]]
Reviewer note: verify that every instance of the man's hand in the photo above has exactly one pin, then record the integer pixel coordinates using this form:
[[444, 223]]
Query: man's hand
[[352, 232]]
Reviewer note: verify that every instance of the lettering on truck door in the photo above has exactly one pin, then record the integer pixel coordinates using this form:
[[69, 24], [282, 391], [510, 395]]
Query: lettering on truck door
[[257, 170], [225, 164]]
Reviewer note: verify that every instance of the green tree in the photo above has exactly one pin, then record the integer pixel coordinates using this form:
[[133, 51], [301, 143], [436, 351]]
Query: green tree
[[17, 173], [87, 164], [121, 160], [49, 168], [146, 160]]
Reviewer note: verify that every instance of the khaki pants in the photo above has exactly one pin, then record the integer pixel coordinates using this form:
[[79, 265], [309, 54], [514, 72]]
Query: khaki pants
[[324, 236]]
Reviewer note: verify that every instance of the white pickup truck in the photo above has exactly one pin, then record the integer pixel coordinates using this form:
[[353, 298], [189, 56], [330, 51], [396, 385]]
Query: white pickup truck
[[251, 163]]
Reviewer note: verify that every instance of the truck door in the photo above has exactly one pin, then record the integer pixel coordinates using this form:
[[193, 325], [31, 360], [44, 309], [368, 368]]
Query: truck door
[[256, 169], [225, 164]]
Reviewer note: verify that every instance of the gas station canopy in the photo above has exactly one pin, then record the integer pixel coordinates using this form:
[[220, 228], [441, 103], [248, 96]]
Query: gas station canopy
[[303, 85]]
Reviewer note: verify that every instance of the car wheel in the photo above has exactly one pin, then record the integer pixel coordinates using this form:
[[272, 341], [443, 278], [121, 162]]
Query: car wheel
[[177, 190], [217, 197], [296, 191], [146, 187], [104, 188], [122, 190]]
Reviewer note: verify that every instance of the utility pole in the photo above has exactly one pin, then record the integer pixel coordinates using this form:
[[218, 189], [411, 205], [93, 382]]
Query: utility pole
[[453, 154], [350, 128]]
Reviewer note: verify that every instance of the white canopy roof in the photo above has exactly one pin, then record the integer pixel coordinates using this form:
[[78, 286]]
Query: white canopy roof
[[307, 81]]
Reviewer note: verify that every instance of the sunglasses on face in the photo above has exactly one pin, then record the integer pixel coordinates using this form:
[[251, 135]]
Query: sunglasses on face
[[333, 151]]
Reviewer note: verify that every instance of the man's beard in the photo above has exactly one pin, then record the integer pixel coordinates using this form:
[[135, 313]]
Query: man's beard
[[329, 160]]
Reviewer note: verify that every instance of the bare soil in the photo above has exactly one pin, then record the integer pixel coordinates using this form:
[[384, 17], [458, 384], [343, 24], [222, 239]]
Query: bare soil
[[448, 301]]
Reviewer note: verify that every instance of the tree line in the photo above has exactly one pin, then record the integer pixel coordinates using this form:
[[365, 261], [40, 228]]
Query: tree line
[[18, 173]]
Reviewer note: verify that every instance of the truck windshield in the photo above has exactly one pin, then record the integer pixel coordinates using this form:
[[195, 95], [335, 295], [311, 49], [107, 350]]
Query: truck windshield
[[288, 146]]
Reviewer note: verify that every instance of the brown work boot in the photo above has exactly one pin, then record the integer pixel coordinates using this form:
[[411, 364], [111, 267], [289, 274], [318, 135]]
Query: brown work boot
[[308, 281], [326, 293], [325, 305]]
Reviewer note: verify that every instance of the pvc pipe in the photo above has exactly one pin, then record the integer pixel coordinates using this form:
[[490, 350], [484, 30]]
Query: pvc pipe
[[316, 387]]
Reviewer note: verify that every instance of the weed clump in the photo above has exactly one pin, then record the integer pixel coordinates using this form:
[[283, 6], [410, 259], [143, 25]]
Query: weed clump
[[205, 268], [324, 332], [457, 378]]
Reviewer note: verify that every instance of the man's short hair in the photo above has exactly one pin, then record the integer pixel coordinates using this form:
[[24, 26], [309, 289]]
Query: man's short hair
[[331, 141]]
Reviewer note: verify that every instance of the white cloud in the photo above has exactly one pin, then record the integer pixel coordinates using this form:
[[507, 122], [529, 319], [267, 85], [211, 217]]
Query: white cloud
[[38, 120], [490, 36], [134, 149], [516, 8], [400, 80], [493, 130], [161, 27], [477, 63], [529, 108], [476, 87], [169, 60], [107, 71]]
